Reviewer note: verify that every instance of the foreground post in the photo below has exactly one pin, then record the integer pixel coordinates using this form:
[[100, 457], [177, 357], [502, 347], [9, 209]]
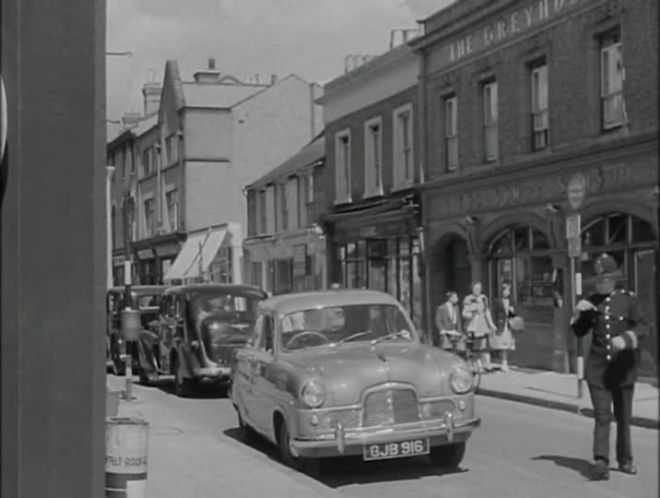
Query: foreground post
[[126, 451], [130, 326]]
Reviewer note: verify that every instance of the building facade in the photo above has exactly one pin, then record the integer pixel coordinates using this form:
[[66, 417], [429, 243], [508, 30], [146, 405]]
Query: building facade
[[373, 217], [524, 102], [190, 160], [285, 250]]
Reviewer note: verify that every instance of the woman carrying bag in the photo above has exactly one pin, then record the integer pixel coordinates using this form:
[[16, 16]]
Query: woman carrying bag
[[507, 322], [479, 322]]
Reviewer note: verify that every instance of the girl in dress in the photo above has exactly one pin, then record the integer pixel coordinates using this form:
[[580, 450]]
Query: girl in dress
[[479, 322], [502, 340]]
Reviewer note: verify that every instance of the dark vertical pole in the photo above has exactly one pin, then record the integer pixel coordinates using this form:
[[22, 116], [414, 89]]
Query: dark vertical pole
[[53, 250]]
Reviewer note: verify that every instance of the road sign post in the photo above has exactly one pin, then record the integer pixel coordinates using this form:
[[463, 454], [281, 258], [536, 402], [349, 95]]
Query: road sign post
[[575, 192]]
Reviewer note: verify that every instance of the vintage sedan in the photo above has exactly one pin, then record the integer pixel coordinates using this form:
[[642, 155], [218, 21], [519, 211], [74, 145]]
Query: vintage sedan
[[343, 372], [144, 298], [201, 325]]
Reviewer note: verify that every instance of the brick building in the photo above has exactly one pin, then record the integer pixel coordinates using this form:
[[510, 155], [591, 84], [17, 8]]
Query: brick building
[[372, 171], [521, 99], [182, 199], [285, 248]]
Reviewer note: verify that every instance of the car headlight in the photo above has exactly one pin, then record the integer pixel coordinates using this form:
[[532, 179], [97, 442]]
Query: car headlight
[[313, 394], [461, 379]]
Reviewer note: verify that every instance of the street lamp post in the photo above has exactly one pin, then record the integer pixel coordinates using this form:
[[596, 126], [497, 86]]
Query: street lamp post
[[110, 170]]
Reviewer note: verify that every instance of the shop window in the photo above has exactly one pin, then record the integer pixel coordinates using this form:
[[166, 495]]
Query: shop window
[[617, 228], [519, 255], [641, 231]]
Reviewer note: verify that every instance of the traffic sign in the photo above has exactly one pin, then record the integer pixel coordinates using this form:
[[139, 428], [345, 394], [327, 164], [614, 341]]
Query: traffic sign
[[576, 190], [573, 226], [574, 247]]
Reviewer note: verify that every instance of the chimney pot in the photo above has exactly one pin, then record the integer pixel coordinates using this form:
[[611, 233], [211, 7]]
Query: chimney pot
[[212, 63], [273, 79]]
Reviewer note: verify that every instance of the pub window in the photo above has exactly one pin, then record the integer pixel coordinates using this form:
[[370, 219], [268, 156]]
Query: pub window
[[520, 255], [343, 167], [403, 146], [490, 108], [451, 132], [612, 76], [373, 158], [262, 227], [540, 119], [149, 216]]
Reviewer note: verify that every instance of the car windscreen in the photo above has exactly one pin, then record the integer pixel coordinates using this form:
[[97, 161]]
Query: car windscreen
[[338, 325], [148, 301], [233, 308]]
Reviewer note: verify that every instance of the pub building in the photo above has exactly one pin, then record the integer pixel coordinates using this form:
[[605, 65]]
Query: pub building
[[372, 216], [527, 104]]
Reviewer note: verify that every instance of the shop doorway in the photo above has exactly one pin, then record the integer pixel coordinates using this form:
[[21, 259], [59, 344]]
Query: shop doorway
[[457, 268]]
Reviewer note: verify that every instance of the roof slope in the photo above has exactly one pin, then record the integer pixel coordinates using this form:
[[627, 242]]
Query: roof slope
[[216, 95], [308, 155]]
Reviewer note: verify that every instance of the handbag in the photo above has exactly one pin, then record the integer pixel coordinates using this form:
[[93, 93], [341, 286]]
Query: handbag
[[517, 323]]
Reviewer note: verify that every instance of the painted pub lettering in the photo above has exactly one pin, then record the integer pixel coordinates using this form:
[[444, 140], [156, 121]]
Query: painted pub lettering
[[508, 25]]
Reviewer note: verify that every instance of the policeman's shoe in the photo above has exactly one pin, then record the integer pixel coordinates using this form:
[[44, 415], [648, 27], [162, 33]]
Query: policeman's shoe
[[600, 471], [628, 468]]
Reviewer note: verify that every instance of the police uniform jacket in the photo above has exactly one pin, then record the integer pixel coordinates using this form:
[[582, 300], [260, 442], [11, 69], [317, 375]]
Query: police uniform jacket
[[615, 314]]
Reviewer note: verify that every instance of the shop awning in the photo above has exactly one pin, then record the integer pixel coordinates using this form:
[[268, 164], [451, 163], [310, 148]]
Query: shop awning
[[197, 253]]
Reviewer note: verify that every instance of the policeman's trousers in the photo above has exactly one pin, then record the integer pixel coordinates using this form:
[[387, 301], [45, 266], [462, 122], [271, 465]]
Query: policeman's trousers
[[603, 399]]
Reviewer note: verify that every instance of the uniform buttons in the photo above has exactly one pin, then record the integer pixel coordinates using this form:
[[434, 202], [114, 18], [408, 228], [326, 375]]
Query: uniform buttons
[[607, 300], [608, 357], [609, 347], [607, 326], [608, 337], [607, 309]]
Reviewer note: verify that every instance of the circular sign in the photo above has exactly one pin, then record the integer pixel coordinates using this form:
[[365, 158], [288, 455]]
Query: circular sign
[[576, 190]]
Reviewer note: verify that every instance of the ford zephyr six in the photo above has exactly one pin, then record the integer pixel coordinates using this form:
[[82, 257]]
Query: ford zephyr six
[[343, 372]]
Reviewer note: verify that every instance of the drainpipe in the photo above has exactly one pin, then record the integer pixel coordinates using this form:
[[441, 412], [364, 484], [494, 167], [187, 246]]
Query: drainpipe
[[312, 110], [109, 170]]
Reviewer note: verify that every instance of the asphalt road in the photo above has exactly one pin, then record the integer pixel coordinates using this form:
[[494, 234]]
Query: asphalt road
[[520, 451]]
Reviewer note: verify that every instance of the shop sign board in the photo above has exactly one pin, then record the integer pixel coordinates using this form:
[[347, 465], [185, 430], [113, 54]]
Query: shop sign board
[[300, 260], [574, 247], [573, 226]]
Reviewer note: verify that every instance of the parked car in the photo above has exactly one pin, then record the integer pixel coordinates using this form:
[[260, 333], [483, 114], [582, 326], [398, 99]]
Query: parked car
[[200, 327], [147, 300], [343, 372]]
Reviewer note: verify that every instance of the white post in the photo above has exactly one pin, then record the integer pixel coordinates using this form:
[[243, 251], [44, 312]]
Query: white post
[[108, 210]]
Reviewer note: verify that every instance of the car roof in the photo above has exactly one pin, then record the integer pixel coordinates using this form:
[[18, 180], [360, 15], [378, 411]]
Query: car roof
[[141, 289], [287, 303], [211, 287]]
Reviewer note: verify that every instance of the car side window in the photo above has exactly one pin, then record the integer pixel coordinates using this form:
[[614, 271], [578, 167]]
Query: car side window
[[267, 339], [256, 331]]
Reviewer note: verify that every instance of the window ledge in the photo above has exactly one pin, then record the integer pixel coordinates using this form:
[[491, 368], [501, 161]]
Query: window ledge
[[373, 193], [346, 200], [403, 185]]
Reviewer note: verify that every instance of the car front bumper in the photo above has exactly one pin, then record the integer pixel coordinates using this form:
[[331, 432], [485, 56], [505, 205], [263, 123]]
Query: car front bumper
[[212, 373], [352, 441]]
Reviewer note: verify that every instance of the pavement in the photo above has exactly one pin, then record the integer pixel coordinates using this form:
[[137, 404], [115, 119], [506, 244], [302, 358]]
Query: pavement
[[559, 391], [198, 460], [521, 450]]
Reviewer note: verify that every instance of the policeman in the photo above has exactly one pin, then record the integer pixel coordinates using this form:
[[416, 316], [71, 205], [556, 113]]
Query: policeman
[[614, 317]]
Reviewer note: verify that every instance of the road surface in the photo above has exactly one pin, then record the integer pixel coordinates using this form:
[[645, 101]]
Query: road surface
[[520, 451]]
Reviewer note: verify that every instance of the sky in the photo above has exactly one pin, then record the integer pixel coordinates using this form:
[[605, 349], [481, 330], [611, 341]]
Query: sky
[[246, 37]]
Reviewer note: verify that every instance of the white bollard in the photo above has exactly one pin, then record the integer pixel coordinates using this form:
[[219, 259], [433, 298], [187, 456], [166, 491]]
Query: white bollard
[[126, 451]]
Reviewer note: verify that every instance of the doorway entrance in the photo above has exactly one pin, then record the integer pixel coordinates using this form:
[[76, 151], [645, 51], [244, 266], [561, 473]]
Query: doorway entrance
[[457, 268]]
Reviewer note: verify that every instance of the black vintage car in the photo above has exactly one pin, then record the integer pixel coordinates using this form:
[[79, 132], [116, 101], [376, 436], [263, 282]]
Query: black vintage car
[[145, 298], [200, 327]]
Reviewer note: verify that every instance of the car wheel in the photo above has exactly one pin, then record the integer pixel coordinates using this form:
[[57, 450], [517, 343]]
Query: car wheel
[[311, 466], [144, 378], [247, 432], [448, 456], [182, 387]]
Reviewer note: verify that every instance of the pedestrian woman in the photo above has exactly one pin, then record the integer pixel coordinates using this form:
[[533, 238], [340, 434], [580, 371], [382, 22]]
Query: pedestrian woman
[[448, 321], [615, 319], [479, 322], [502, 340]]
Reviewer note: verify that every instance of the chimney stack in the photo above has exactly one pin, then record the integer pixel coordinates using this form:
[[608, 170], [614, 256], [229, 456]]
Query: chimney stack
[[273, 79], [130, 120], [151, 92], [208, 75]]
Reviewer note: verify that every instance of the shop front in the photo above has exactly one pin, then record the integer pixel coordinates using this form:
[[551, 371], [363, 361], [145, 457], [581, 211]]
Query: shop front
[[294, 261], [213, 254], [511, 227], [379, 248]]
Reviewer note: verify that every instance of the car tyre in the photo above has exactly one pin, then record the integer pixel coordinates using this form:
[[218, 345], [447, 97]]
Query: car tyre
[[247, 433], [448, 456], [311, 466], [182, 387], [144, 378]]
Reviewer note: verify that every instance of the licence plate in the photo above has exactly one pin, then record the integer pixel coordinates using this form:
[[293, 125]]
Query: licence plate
[[398, 449]]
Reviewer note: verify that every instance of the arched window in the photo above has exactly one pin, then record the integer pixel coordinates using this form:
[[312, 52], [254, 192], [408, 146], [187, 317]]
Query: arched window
[[520, 255], [632, 243]]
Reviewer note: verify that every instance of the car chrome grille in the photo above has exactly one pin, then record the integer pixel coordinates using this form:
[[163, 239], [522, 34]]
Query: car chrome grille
[[390, 406]]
